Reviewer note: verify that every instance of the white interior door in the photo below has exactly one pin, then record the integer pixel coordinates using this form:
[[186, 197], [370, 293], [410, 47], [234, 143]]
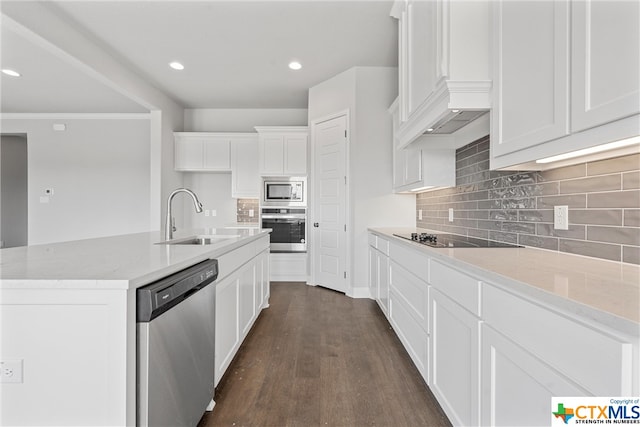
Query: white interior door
[[329, 227]]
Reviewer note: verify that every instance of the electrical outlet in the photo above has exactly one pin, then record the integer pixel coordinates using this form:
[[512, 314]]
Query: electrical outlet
[[561, 217], [450, 214], [207, 212], [213, 212], [419, 213], [10, 371]]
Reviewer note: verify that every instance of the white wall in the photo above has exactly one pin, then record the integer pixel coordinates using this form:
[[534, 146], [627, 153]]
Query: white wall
[[214, 192], [241, 119], [100, 173], [374, 204], [13, 191], [366, 92], [41, 24]]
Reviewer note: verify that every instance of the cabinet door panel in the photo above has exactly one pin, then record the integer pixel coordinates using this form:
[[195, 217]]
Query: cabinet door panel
[[247, 298], [531, 92], [295, 155], [245, 179], [605, 61], [188, 154], [217, 154], [413, 291], [272, 155], [227, 331], [411, 334], [422, 52], [455, 350], [516, 387], [383, 282], [583, 346], [373, 272]]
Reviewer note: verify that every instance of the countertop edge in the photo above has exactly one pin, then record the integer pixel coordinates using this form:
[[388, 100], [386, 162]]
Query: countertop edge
[[563, 306]]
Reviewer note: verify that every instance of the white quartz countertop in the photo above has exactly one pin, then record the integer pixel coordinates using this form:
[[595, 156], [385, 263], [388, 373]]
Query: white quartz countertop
[[599, 289], [117, 262]]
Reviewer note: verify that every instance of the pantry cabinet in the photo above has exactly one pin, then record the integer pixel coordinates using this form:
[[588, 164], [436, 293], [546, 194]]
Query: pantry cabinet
[[577, 85], [443, 62], [282, 150]]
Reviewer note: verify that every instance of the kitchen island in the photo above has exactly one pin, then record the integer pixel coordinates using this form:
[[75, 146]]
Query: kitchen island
[[68, 317], [513, 327]]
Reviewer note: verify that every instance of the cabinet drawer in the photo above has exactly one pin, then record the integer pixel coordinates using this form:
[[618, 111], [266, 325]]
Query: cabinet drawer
[[411, 259], [379, 243], [411, 334], [463, 289], [598, 361], [413, 291]]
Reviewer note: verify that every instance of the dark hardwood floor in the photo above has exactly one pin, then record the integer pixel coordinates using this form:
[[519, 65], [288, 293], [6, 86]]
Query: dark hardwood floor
[[316, 357]]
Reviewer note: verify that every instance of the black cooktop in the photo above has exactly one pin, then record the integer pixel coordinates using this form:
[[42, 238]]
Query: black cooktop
[[453, 241]]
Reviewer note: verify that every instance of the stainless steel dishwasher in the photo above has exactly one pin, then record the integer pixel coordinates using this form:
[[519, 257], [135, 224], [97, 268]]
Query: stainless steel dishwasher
[[175, 347]]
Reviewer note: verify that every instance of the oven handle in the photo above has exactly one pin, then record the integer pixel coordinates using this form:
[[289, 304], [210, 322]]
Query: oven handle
[[284, 216]]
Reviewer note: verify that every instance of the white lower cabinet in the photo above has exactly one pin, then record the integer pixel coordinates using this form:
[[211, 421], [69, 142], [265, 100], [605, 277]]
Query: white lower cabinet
[[379, 272], [454, 361], [239, 298], [490, 355], [408, 313], [288, 267], [516, 386], [413, 337]]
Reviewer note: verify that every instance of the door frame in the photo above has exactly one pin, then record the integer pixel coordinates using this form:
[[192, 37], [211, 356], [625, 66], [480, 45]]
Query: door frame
[[311, 212]]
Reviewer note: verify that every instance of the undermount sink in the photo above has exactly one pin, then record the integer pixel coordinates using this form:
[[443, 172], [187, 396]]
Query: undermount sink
[[197, 240]]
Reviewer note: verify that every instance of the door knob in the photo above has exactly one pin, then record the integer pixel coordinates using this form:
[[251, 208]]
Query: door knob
[[315, 224]]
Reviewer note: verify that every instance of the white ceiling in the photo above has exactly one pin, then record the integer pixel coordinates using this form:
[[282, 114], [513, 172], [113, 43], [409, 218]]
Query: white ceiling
[[235, 52]]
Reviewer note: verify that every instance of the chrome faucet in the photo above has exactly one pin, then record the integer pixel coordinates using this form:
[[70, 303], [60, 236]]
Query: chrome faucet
[[169, 228]]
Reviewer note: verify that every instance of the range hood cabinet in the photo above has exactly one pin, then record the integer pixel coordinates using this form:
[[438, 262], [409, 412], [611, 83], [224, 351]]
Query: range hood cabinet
[[444, 66]]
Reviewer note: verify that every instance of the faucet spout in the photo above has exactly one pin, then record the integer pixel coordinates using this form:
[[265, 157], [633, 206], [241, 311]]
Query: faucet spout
[[168, 226]]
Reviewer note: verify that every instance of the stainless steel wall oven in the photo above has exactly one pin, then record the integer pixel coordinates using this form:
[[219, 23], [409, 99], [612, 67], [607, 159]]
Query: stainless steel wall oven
[[289, 225]]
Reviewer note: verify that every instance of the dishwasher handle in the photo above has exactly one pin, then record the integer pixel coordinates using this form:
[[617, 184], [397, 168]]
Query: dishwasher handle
[[158, 297]]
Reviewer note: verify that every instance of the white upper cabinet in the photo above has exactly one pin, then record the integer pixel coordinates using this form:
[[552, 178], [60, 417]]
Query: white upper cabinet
[[283, 150], [565, 78], [202, 151], [417, 168], [233, 152], [444, 79], [531, 78], [605, 56], [245, 179]]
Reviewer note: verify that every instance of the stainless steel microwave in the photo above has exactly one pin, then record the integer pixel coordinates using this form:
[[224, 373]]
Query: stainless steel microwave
[[284, 191]]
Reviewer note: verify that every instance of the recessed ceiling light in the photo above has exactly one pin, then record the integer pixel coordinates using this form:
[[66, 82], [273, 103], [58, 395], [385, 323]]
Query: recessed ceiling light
[[430, 130], [176, 65], [455, 111], [11, 73], [295, 65]]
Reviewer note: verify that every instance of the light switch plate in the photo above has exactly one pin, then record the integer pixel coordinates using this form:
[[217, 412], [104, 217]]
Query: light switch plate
[[419, 213], [450, 214]]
